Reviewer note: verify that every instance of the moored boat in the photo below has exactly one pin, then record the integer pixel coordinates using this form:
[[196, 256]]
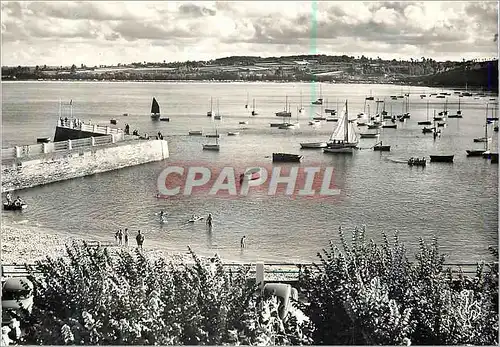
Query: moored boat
[[233, 133], [312, 145], [474, 152], [195, 132], [442, 158], [155, 110], [113, 121], [14, 207], [165, 119], [417, 162], [344, 138], [286, 157], [369, 135], [382, 148]]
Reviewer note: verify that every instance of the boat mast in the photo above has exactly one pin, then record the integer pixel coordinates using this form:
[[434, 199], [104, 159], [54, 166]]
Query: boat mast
[[486, 129], [428, 110], [346, 135]]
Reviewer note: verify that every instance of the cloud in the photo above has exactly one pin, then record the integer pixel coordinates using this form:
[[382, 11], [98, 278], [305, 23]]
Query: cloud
[[154, 31]]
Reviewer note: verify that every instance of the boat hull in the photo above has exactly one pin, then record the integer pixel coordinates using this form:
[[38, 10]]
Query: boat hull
[[14, 207], [475, 152], [313, 145], [442, 158], [482, 139], [427, 122], [195, 133], [113, 121], [165, 119], [368, 136], [382, 148], [233, 133], [218, 117], [211, 147], [340, 150], [213, 136], [390, 126], [286, 157]]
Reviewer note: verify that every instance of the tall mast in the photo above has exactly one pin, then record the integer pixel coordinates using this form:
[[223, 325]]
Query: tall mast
[[346, 135], [428, 110], [486, 127]]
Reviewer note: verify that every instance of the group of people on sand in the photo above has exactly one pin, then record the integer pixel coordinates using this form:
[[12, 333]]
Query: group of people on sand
[[10, 202], [121, 237]]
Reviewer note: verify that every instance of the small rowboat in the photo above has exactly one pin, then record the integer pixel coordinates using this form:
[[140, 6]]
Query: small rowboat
[[14, 207], [195, 219]]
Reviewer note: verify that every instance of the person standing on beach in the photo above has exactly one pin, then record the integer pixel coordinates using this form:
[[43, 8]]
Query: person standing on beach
[[140, 239], [242, 242], [120, 235], [116, 236], [125, 235]]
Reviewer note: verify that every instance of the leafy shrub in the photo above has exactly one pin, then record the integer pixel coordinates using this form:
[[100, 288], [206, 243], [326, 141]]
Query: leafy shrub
[[371, 294], [92, 298]]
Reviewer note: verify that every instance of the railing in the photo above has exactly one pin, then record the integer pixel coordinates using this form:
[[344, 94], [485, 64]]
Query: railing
[[287, 272], [87, 127], [19, 152]]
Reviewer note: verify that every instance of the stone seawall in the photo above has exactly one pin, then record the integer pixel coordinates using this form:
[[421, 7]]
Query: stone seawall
[[48, 168]]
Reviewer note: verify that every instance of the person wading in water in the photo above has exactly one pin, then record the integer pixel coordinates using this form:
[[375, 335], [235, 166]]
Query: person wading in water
[[209, 221]]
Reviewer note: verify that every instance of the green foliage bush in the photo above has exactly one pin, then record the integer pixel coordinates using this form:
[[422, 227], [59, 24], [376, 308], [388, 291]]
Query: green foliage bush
[[367, 293], [373, 294], [92, 298]]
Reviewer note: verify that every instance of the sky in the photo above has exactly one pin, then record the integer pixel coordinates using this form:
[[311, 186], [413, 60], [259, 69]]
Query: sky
[[107, 33]]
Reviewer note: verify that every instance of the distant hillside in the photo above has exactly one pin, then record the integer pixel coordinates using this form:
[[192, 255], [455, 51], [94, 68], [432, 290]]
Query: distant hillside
[[482, 75]]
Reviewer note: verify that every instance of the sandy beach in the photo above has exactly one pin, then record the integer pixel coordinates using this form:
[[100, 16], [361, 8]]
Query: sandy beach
[[23, 244]]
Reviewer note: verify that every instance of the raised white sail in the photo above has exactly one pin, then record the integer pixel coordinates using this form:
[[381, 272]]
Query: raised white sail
[[345, 131]]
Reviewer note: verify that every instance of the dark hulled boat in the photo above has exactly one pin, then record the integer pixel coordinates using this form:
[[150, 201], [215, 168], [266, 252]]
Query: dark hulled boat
[[381, 148], [442, 158], [286, 157], [13, 207]]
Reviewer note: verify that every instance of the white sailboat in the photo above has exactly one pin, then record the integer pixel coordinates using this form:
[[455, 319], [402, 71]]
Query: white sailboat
[[217, 116], [301, 109], [344, 138], [209, 113], [254, 113], [319, 101], [213, 147], [288, 125], [485, 138]]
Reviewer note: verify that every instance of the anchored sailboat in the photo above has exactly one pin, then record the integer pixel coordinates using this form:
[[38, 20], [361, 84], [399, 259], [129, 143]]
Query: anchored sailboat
[[155, 110], [209, 113], [254, 113], [213, 147], [344, 138]]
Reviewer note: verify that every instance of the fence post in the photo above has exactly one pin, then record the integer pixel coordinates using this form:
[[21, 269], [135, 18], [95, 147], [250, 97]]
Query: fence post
[[259, 274], [113, 140], [92, 141], [45, 148], [18, 152], [107, 130], [94, 127], [70, 147]]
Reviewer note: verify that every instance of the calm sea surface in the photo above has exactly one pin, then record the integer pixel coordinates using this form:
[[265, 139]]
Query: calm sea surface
[[456, 202]]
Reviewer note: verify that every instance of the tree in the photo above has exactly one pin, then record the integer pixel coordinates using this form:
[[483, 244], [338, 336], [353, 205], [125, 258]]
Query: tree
[[73, 68]]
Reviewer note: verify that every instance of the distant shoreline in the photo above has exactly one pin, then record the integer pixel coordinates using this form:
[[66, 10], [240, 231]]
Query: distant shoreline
[[195, 81]]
